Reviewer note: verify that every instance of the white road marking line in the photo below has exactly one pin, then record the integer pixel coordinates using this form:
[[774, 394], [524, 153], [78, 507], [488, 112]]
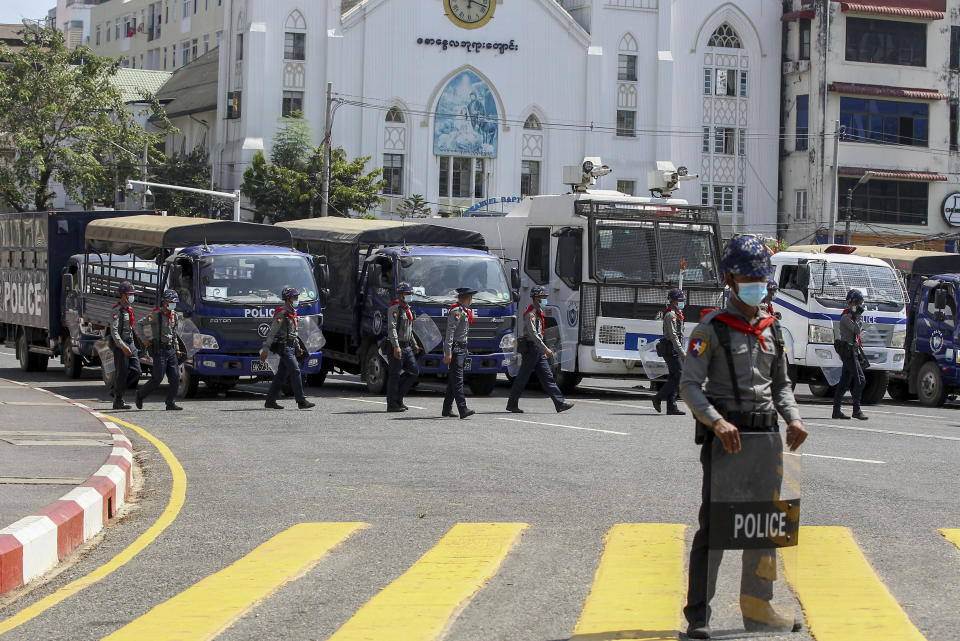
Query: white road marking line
[[569, 427], [639, 407], [843, 458], [366, 400], [932, 418], [868, 429]]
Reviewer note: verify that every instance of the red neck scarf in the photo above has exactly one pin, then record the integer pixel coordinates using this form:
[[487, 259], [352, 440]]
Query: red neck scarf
[[169, 315], [543, 319], [404, 307], [746, 328], [466, 309], [129, 309], [677, 311], [286, 313]]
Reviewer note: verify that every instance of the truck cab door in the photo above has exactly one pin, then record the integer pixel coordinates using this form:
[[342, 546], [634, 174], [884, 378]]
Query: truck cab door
[[376, 299]]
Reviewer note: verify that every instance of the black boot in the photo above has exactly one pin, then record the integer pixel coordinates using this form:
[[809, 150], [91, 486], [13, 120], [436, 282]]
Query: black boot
[[839, 415], [118, 404]]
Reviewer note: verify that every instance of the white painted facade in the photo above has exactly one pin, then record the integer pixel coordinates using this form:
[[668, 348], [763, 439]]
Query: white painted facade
[[564, 71]]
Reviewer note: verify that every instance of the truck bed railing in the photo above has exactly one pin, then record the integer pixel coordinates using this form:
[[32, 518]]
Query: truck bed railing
[[105, 279], [647, 211]]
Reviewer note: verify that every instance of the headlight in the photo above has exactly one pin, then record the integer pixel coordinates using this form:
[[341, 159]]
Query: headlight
[[898, 338], [820, 334], [508, 343], [205, 341]]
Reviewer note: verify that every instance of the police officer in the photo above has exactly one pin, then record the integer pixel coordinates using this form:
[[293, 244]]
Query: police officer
[[459, 321], [163, 343], [283, 340], [848, 349], [673, 336], [739, 353], [767, 304], [125, 359], [535, 355], [403, 369]]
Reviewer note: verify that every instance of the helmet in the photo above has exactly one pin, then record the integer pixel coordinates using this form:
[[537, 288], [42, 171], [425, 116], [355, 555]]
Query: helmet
[[676, 294], [170, 296], [466, 291], [126, 287], [854, 296], [772, 286], [746, 255], [289, 292], [404, 288], [538, 291]]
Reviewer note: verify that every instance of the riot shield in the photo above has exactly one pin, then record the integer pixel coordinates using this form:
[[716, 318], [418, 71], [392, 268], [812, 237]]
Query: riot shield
[[190, 335], [755, 518], [143, 328], [273, 362], [832, 374], [564, 359], [427, 332], [106, 355], [653, 366], [311, 333]]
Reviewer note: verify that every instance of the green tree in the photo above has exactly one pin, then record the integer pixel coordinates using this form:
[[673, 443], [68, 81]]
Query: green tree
[[65, 120], [185, 170], [289, 186], [414, 207]]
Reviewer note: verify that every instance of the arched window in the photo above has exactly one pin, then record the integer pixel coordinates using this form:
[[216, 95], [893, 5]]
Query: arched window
[[532, 122], [627, 58], [725, 36], [295, 21], [394, 115], [628, 43]]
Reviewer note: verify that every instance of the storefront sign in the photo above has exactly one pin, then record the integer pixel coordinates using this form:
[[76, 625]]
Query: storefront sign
[[951, 209], [493, 201], [469, 45]]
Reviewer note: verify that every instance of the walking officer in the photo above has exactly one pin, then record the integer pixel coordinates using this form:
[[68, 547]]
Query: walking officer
[[673, 354], [283, 340], [125, 359], [739, 353], [403, 369], [163, 345], [535, 356], [459, 321], [848, 349], [767, 304]]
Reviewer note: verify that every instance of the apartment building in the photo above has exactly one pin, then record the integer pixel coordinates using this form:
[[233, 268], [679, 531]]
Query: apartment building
[[161, 35]]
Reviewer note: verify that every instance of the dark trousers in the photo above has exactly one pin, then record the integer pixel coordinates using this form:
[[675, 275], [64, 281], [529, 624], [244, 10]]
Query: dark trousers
[[126, 371], [669, 391], [705, 563], [288, 368], [535, 361], [455, 381], [851, 379], [402, 373], [165, 362]]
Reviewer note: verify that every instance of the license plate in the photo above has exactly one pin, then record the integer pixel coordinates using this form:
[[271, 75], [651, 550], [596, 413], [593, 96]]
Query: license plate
[[260, 366], [468, 364]]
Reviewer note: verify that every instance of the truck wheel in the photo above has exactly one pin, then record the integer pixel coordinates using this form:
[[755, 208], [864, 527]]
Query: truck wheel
[[875, 387], [482, 384], [568, 381], [72, 363], [822, 391], [374, 370], [23, 354], [40, 362], [189, 382], [899, 390], [930, 388], [317, 379]]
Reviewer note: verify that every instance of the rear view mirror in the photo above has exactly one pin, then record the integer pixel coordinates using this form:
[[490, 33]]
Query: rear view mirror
[[515, 278], [406, 261], [68, 284], [940, 300], [803, 275]]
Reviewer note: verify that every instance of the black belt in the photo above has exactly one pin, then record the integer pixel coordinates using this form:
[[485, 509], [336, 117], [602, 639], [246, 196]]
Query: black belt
[[753, 421]]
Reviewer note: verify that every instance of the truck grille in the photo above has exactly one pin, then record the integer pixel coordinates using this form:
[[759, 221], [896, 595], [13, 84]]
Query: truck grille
[[873, 334], [484, 328]]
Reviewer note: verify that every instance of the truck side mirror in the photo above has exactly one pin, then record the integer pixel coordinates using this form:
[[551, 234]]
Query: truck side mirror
[[803, 275], [515, 278], [940, 299], [68, 282]]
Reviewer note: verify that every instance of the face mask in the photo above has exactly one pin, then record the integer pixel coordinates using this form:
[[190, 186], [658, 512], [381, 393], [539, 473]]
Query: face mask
[[131, 298], [752, 294], [294, 302], [172, 306], [544, 302], [681, 305]]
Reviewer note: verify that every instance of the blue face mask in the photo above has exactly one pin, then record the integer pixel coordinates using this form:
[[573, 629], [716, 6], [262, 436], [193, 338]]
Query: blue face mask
[[681, 305], [544, 302], [172, 306], [131, 298], [752, 293]]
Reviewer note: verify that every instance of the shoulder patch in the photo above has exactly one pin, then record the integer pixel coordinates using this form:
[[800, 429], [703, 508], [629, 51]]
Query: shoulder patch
[[699, 342], [116, 316]]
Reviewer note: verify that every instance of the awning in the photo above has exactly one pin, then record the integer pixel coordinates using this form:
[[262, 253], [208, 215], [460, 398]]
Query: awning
[[885, 91], [796, 15], [892, 174], [881, 8]]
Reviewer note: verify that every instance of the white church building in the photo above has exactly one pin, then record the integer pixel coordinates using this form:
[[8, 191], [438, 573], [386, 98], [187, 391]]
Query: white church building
[[470, 101]]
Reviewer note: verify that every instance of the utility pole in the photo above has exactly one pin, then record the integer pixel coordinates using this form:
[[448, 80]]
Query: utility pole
[[846, 223], [327, 133], [143, 174], [836, 178]]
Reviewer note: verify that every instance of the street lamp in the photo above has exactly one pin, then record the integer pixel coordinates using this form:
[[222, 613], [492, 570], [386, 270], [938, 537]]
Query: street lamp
[[233, 196], [865, 178]]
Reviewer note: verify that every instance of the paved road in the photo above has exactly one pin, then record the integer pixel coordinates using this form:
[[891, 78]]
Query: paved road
[[253, 474]]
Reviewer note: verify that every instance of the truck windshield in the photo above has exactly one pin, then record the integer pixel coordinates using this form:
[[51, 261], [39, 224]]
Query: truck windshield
[[254, 278], [878, 283], [627, 250], [436, 278]]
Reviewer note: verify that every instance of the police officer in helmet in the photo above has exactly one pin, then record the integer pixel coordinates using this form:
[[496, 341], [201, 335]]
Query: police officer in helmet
[[848, 349], [163, 344], [673, 353], [284, 341], [767, 304], [459, 320], [403, 370], [739, 354], [125, 358], [535, 355]]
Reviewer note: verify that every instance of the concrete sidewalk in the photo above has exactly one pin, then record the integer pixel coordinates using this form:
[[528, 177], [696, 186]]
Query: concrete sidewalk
[[64, 471]]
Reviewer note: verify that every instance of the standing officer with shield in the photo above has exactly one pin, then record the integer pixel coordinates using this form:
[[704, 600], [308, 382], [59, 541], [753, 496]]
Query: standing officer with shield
[[739, 353], [403, 369], [535, 355], [163, 343], [459, 321], [125, 359], [671, 349], [848, 347], [284, 341]]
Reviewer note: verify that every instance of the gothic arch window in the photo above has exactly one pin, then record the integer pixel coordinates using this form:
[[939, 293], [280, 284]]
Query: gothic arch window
[[628, 43], [395, 115], [532, 122], [295, 21], [725, 36]]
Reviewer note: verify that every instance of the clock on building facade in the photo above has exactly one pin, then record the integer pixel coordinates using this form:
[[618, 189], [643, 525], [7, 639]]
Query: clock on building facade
[[469, 14]]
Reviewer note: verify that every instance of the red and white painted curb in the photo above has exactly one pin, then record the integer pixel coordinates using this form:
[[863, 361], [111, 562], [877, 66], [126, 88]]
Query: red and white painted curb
[[37, 543]]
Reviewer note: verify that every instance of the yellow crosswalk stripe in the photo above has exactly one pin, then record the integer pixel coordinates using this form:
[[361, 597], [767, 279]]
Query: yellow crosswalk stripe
[[952, 535], [421, 603], [213, 604], [842, 597], [638, 590]]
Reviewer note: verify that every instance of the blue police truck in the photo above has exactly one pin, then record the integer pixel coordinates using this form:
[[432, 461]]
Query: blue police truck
[[368, 258]]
